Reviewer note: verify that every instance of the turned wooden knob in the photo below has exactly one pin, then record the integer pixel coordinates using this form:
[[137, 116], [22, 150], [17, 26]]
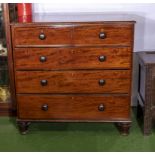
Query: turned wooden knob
[[102, 58], [43, 82], [42, 36], [101, 82], [44, 107], [102, 35], [101, 107], [43, 59]]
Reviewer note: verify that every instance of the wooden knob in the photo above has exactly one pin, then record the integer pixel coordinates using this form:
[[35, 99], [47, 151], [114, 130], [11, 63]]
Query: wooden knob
[[101, 82], [102, 58], [102, 35], [101, 107], [44, 107], [43, 59], [42, 36], [43, 82]]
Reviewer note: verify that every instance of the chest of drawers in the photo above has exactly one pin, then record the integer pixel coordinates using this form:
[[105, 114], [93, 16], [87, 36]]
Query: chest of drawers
[[73, 72]]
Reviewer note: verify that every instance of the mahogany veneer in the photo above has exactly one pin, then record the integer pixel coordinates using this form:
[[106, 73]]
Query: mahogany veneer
[[72, 58], [75, 71], [72, 81], [73, 107]]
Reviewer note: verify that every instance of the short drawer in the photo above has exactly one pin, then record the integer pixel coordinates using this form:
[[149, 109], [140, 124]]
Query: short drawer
[[103, 34], [102, 81], [73, 107], [72, 58], [37, 36]]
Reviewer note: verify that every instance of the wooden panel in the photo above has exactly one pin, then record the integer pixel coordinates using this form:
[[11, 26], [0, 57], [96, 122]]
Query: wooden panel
[[116, 34], [72, 58], [73, 107], [30, 35], [73, 81]]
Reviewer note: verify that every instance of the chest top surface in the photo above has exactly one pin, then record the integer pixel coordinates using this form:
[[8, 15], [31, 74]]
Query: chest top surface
[[89, 18]]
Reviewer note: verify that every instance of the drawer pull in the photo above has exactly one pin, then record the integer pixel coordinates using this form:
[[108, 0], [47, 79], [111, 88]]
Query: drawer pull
[[101, 107], [101, 82], [102, 35], [42, 36], [43, 82], [44, 107], [102, 58], [43, 59]]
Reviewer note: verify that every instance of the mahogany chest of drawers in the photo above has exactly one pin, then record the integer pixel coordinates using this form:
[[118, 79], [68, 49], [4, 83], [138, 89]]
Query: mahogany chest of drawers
[[73, 72]]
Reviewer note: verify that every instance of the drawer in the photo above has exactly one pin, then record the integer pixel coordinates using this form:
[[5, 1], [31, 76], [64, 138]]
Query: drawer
[[73, 107], [52, 35], [103, 34], [72, 58], [102, 81]]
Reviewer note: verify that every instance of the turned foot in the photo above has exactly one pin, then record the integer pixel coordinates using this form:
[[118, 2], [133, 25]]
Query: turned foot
[[123, 127], [23, 127]]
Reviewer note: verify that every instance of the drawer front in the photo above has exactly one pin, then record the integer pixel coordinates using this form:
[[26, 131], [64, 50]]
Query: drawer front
[[104, 34], [106, 81], [41, 35], [69, 107], [72, 58]]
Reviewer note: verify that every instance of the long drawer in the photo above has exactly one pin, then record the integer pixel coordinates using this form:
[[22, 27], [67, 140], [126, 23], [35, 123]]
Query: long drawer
[[73, 107], [47, 35], [72, 58], [102, 81]]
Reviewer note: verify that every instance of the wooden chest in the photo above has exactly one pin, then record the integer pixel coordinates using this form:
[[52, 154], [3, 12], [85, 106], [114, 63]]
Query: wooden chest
[[76, 71]]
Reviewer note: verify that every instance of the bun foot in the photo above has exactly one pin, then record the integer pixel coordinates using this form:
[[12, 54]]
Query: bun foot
[[23, 127], [123, 127]]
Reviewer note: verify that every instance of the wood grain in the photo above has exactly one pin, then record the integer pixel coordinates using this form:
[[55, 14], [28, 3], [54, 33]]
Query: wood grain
[[82, 34], [30, 35], [73, 71], [72, 58], [73, 107], [73, 81], [116, 34]]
